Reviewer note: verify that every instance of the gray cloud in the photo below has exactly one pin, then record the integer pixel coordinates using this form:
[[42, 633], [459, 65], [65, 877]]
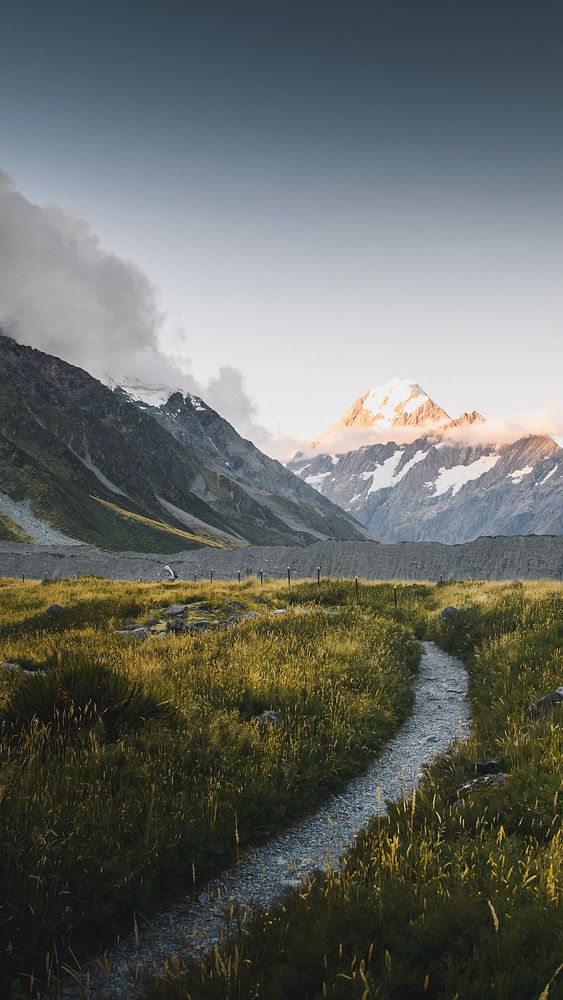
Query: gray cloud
[[62, 292]]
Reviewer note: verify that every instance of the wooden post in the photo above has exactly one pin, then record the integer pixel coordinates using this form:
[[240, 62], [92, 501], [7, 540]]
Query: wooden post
[[289, 576], [195, 577], [239, 576], [261, 578], [395, 596], [318, 576], [356, 588], [211, 576]]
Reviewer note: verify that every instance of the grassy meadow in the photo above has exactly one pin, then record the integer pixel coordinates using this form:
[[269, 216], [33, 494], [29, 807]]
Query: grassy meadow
[[451, 895], [131, 771]]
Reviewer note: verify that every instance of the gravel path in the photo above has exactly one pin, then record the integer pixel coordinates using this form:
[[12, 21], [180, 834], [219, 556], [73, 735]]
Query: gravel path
[[440, 714]]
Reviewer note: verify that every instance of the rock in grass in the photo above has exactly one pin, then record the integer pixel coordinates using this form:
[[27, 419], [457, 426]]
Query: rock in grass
[[482, 784], [268, 718], [483, 767], [547, 703], [449, 612], [54, 610], [174, 610], [140, 633]]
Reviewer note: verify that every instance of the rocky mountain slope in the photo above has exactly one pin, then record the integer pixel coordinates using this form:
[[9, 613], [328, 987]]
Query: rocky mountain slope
[[427, 477], [88, 464]]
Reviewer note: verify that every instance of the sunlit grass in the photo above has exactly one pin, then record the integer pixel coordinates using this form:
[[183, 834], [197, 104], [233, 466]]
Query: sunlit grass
[[96, 828], [445, 897]]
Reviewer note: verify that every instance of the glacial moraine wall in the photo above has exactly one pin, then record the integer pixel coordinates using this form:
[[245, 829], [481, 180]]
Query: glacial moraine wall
[[524, 557]]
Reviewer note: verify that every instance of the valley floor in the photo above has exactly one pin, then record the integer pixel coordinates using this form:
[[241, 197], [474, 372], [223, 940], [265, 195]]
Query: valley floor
[[132, 770]]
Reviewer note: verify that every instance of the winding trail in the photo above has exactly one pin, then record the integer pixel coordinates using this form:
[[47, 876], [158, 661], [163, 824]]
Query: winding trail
[[440, 714]]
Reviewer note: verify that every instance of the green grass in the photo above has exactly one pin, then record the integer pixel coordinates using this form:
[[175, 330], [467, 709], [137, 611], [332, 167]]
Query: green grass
[[445, 897], [116, 820]]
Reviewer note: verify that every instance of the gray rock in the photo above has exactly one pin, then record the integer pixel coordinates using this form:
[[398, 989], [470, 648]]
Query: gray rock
[[449, 612], [54, 610], [173, 610], [482, 784], [249, 616], [202, 625], [547, 703], [140, 633], [483, 767], [177, 625], [236, 605], [268, 718]]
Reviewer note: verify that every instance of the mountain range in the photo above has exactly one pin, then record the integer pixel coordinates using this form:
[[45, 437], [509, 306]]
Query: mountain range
[[152, 469], [428, 477], [80, 462]]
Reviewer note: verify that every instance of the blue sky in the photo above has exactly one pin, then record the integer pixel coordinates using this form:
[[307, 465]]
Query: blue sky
[[325, 194]]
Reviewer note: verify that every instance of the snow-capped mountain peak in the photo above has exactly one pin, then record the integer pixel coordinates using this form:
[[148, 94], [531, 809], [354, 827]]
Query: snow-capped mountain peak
[[400, 402]]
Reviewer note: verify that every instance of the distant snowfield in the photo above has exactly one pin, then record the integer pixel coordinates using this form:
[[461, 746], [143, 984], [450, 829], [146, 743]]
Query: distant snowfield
[[459, 475], [41, 531]]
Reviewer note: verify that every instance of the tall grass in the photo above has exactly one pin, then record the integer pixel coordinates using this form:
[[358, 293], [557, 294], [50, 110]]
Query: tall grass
[[446, 897], [97, 829]]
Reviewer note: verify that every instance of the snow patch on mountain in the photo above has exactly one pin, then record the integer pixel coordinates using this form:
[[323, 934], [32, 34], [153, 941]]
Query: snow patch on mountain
[[549, 475], [518, 475], [398, 396], [141, 392], [459, 475], [383, 474], [316, 481], [418, 456]]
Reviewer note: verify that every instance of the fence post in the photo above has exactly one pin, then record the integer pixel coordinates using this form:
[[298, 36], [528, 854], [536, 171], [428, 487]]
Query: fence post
[[318, 576], [211, 576], [289, 576], [261, 578], [195, 577], [356, 588], [395, 596], [239, 576]]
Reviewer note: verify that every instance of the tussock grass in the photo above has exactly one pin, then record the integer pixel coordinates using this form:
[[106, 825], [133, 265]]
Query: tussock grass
[[118, 819], [444, 897]]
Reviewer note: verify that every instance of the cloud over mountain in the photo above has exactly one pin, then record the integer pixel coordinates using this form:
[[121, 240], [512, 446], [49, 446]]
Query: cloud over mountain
[[63, 292]]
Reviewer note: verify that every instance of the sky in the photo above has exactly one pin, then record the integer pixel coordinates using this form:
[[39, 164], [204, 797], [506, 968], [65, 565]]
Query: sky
[[315, 196]]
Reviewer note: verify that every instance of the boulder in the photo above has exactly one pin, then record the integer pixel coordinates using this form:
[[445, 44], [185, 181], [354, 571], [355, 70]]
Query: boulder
[[449, 612], [176, 625], [547, 703], [268, 718], [237, 605], [140, 633], [54, 610], [483, 767], [482, 784], [173, 610]]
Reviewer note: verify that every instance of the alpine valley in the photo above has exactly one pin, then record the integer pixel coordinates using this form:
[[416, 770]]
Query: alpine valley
[[409, 472]]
